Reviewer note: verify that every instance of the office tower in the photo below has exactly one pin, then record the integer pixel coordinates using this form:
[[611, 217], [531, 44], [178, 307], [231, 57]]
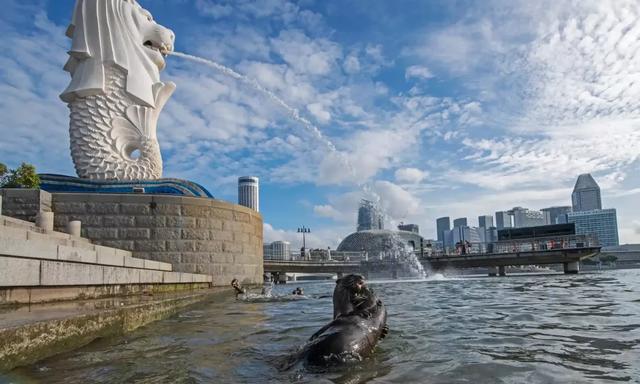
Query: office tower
[[503, 220], [281, 250], [460, 222], [523, 217], [369, 217], [248, 192], [485, 221], [600, 222], [442, 224], [556, 215], [586, 194]]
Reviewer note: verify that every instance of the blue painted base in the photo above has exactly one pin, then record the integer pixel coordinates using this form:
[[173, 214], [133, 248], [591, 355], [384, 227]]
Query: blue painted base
[[60, 183]]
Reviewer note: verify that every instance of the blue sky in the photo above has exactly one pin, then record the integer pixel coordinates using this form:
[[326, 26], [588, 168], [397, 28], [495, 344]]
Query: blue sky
[[456, 108]]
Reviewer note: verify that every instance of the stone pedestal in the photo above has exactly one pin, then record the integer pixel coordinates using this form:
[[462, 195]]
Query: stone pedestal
[[44, 220], [74, 228]]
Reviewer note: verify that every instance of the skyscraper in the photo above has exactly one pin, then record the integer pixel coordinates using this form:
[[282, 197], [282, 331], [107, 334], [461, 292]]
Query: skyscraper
[[442, 224], [556, 215], [586, 194], [600, 222], [503, 220], [460, 222], [248, 192], [369, 217], [523, 217], [485, 221]]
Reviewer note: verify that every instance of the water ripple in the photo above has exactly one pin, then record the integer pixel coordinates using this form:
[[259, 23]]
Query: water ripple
[[533, 329]]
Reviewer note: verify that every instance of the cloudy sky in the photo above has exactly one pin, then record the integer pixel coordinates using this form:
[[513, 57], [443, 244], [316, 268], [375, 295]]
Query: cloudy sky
[[456, 108]]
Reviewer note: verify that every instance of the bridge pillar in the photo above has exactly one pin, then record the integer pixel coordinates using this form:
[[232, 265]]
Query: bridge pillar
[[279, 277], [502, 270], [493, 271], [571, 267], [394, 273]]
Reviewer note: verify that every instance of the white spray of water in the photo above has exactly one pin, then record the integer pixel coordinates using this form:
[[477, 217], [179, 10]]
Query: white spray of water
[[293, 112], [407, 255]]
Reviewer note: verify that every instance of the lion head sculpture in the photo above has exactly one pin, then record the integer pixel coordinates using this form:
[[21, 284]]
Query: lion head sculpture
[[115, 32], [115, 95]]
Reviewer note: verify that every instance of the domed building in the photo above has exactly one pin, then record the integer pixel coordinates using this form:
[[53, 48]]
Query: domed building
[[380, 242]]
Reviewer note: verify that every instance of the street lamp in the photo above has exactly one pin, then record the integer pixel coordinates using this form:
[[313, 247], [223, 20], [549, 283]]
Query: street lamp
[[304, 230]]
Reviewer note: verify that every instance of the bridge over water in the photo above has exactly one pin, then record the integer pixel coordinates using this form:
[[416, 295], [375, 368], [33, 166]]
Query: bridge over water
[[566, 250]]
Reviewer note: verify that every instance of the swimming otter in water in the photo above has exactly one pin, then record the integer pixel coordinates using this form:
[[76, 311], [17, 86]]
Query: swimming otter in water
[[359, 321]]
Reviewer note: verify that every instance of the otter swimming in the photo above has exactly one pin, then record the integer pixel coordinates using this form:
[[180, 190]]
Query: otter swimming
[[359, 322]]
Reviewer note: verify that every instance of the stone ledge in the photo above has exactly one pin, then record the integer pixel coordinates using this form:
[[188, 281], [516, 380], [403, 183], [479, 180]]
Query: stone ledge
[[24, 272], [28, 335]]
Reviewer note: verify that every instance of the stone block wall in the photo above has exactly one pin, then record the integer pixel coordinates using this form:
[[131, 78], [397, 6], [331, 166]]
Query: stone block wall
[[196, 235], [24, 204]]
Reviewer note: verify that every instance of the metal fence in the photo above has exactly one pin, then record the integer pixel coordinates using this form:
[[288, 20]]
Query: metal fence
[[514, 246], [315, 255]]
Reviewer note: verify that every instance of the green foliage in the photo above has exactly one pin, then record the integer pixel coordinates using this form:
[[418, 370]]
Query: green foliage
[[24, 176]]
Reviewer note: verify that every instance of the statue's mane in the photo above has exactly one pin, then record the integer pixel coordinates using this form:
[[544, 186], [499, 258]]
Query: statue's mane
[[104, 32]]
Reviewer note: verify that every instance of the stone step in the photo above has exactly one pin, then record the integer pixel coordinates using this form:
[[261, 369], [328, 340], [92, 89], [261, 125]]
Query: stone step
[[22, 241], [35, 231], [23, 272]]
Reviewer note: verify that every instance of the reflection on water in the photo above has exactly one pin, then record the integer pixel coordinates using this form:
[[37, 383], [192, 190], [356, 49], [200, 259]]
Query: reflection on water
[[533, 329]]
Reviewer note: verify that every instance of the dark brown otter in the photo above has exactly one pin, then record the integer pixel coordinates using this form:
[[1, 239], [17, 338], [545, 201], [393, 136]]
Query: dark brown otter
[[359, 322]]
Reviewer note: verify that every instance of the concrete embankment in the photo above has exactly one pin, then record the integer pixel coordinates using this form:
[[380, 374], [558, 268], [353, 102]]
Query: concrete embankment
[[31, 333]]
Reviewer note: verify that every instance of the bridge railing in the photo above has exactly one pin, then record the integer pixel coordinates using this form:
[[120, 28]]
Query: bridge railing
[[315, 255], [517, 245]]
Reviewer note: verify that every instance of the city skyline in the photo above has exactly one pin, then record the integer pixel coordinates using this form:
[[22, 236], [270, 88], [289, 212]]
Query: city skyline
[[426, 102]]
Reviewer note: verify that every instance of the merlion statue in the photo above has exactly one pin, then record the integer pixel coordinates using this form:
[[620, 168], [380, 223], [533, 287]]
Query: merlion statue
[[115, 94]]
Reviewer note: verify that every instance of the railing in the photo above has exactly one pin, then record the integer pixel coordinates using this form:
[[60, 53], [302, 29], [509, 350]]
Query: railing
[[315, 255], [516, 246], [537, 244]]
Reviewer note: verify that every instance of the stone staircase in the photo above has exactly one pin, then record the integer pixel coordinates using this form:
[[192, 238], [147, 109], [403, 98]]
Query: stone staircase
[[33, 257]]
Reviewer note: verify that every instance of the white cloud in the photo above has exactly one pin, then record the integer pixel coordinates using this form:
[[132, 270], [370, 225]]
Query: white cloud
[[410, 175], [304, 55], [418, 72]]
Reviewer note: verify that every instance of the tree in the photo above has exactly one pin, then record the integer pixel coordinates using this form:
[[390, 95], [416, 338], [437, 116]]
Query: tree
[[24, 176]]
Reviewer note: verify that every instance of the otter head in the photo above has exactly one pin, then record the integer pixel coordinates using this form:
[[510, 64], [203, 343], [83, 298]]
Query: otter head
[[115, 33], [349, 294]]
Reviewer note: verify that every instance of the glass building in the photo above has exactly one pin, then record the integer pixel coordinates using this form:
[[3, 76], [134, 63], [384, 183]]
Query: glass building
[[460, 222], [556, 215], [442, 224], [601, 222], [503, 220], [485, 221], [523, 217], [586, 194], [369, 217]]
